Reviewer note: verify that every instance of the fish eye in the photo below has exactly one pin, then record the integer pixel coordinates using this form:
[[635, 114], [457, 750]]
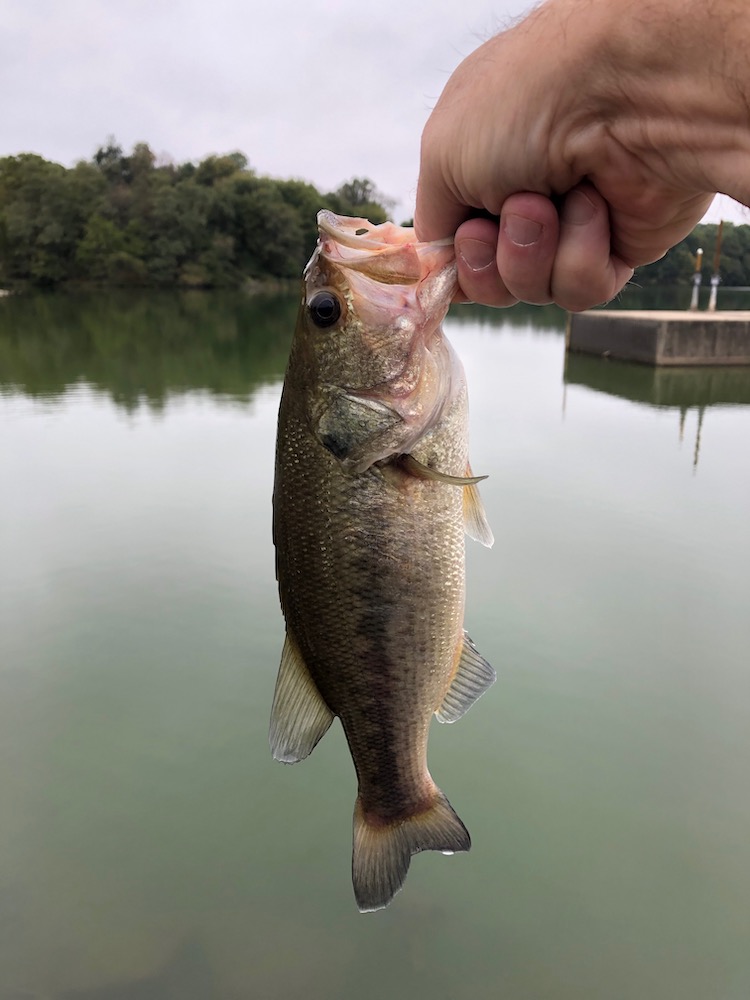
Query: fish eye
[[325, 309]]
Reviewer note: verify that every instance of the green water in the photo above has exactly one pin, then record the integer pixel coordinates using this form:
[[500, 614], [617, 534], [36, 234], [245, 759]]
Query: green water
[[149, 846]]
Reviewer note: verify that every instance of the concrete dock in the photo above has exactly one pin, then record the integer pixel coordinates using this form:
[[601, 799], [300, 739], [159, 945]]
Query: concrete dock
[[662, 337]]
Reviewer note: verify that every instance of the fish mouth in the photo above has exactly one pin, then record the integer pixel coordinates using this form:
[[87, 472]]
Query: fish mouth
[[361, 234], [386, 253]]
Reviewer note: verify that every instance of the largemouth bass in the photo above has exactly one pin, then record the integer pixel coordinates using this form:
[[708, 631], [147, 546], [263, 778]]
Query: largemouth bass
[[372, 495]]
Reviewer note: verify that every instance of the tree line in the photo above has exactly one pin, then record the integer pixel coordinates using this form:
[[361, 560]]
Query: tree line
[[677, 267], [130, 220]]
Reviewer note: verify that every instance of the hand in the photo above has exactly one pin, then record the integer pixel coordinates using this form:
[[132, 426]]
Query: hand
[[537, 254], [598, 146]]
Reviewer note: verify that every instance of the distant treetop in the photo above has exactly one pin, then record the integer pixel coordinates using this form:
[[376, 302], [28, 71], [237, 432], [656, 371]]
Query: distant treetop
[[141, 220]]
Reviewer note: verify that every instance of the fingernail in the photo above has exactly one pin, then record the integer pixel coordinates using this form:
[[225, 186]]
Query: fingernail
[[523, 232], [578, 209], [476, 254]]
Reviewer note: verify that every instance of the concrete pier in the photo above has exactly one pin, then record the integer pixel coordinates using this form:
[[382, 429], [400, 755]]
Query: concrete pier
[[662, 337]]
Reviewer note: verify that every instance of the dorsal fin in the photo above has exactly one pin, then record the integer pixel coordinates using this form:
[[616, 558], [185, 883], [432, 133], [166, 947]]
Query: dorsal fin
[[472, 678]]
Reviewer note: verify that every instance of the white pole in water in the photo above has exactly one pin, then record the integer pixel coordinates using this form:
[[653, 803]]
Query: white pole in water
[[696, 279], [715, 277]]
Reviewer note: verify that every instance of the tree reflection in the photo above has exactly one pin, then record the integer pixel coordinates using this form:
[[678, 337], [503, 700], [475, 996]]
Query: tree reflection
[[146, 347], [680, 388]]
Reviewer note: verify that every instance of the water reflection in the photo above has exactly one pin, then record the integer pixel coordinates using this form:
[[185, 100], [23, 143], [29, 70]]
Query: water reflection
[[682, 389], [186, 976], [145, 348], [540, 319]]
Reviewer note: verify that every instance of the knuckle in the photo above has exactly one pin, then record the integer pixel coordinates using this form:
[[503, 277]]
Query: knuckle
[[487, 293], [584, 291], [533, 289]]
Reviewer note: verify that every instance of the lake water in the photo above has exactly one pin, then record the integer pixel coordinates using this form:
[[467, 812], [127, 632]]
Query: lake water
[[150, 849]]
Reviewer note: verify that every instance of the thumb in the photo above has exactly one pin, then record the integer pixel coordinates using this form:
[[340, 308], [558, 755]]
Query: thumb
[[439, 212]]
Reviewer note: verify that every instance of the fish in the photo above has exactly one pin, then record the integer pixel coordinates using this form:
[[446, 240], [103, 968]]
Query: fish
[[373, 492]]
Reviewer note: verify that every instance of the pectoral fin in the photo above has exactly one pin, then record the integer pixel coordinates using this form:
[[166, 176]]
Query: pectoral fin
[[475, 519], [299, 716], [410, 464], [473, 677]]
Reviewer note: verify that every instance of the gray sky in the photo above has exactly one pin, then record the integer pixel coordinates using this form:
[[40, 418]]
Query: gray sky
[[319, 89]]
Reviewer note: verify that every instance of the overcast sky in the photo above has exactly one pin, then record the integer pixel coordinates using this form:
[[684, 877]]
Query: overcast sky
[[319, 89]]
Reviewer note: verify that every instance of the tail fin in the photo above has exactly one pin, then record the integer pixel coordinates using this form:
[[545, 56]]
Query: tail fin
[[382, 852]]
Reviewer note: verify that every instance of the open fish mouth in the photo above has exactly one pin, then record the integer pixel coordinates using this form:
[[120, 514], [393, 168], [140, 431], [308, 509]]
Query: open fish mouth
[[386, 253], [361, 234]]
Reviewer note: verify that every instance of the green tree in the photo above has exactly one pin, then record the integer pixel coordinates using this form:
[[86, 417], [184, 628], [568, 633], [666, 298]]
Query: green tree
[[42, 216], [269, 234], [124, 218], [360, 197], [217, 168], [110, 161], [678, 265], [177, 231], [306, 201], [109, 254]]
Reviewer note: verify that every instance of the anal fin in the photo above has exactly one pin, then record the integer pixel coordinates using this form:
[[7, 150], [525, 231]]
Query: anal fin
[[473, 677], [299, 716]]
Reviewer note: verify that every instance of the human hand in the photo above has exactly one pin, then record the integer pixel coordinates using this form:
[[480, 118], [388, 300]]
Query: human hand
[[597, 147]]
